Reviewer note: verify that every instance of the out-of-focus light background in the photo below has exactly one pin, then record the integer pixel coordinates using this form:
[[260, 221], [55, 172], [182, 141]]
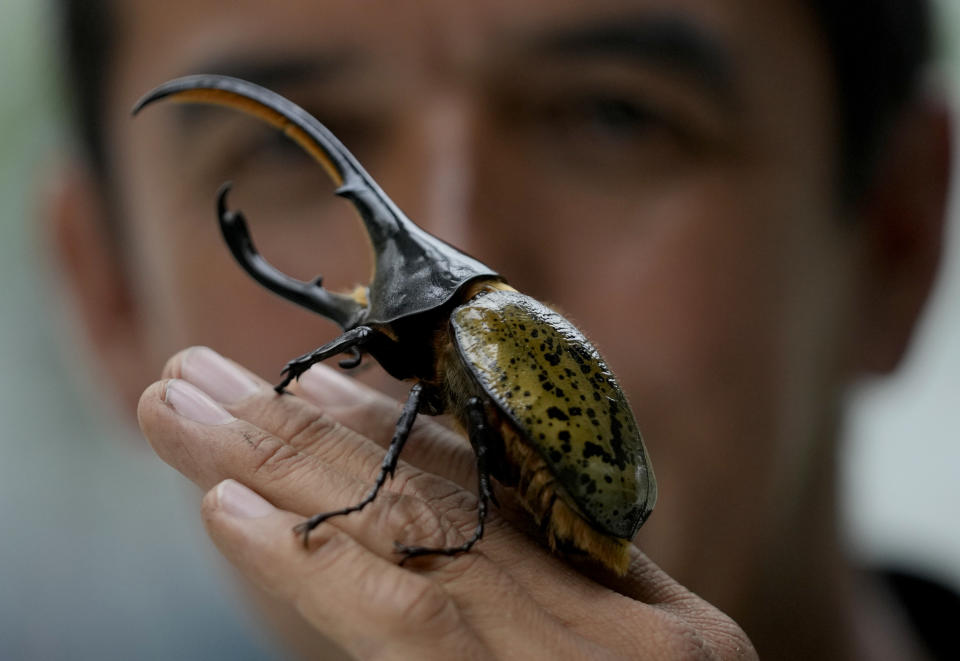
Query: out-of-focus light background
[[102, 551], [102, 554]]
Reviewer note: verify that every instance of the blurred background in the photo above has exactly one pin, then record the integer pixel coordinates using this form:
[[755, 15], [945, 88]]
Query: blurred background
[[102, 552], [78, 562]]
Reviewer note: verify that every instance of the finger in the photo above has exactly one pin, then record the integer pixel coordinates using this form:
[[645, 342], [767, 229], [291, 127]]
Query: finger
[[368, 606], [332, 397], [374, 608], [206, 443], [299, 429], [432, 446]]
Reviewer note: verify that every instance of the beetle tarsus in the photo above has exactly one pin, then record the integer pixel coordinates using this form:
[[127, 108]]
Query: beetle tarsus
[[349, 342], [353, 360], [479, 436]]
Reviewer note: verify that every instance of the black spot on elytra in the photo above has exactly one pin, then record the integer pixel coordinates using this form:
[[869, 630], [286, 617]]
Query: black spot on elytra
[[555, 456], [552, 358], [564, 435], [548, 386], [556, 413], [608, 479], [575, 410]]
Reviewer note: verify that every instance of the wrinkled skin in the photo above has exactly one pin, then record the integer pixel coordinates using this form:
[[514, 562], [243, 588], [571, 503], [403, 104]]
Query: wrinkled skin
[[694, 231]]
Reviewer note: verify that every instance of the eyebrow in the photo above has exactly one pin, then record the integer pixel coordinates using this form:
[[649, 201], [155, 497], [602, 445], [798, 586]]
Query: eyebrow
[[669, 40], [271, 71]]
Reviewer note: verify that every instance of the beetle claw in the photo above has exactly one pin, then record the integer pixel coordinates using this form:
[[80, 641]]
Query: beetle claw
[[354, 359], [303, 530]]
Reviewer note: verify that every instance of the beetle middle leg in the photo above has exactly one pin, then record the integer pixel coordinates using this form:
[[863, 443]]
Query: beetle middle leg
[[479, 438], [351, 341], [387, 468]]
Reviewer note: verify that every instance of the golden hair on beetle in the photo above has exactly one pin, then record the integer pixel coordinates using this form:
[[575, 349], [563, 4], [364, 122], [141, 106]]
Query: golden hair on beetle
[[554, 511]]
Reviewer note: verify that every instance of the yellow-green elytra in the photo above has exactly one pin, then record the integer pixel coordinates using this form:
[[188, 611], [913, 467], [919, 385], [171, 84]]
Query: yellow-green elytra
[[553, 386], [543, 412]]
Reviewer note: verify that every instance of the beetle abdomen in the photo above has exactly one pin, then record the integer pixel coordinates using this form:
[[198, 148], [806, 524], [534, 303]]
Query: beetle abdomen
[[564, 527], [564, 402]]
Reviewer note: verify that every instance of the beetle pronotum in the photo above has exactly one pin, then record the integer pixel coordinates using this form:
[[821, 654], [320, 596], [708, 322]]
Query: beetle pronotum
[[542, 411]]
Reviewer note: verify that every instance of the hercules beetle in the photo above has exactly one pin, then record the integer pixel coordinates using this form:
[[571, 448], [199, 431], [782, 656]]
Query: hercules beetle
[[543, 412]]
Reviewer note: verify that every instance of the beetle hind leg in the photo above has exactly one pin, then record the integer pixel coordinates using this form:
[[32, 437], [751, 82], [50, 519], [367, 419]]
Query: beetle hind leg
[[479, 434], [349, 342]]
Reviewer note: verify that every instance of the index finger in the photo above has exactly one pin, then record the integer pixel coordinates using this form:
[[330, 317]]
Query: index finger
[[330, 396]]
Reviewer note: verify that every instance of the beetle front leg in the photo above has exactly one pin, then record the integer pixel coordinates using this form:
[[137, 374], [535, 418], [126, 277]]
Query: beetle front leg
[[351, 341], [479, 432], [387, 468]]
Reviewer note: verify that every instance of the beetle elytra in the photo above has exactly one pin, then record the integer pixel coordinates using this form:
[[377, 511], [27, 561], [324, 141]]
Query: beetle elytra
[[543, 412]]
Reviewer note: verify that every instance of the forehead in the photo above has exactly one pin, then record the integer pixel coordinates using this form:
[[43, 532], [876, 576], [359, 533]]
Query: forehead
[[393, 58], [157, 40]]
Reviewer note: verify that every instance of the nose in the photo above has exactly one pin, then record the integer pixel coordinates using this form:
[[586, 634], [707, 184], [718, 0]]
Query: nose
[[445, 184], [446, 172]]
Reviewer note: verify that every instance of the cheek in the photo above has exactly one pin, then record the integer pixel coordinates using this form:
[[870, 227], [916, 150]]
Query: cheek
[[696, 320], [705, 308]]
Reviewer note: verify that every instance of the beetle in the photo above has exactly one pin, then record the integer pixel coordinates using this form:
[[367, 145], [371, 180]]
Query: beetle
[[543, 412]]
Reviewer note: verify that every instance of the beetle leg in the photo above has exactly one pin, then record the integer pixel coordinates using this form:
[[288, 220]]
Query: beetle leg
[[348, 342], [479, 438], [387, 468]]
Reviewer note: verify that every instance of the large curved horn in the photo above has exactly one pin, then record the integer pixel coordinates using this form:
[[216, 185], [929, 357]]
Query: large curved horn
[[406, 258]]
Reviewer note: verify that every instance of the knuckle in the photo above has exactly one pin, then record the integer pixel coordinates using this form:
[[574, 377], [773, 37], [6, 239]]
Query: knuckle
[[711, 637], [270, 455], [413, 520], [425, 604], [308, 430]]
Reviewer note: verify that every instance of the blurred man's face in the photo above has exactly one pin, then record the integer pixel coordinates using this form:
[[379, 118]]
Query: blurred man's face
[[661, 171]]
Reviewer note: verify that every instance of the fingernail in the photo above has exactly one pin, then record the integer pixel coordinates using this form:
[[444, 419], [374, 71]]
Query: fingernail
[[330, 387], [237, 500], [194, 404], [216, 376]]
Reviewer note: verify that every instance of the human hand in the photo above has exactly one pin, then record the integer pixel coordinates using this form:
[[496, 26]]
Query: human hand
[[303, 454]]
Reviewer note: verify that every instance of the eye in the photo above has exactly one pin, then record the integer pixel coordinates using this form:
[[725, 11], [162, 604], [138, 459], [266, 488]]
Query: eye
[[602, 133], [274, 149], [604, 118]]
